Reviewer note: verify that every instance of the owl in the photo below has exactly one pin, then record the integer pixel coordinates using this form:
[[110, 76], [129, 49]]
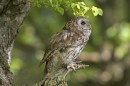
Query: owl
[[66, 45]]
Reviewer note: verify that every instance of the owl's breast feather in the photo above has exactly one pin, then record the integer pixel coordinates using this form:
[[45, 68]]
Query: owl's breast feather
[[87, 33]]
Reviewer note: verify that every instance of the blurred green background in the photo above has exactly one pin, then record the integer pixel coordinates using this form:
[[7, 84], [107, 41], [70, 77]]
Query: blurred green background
[[107, 52]]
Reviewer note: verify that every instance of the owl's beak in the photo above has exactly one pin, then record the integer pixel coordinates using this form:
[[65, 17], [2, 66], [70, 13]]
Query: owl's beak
[[90, 27]]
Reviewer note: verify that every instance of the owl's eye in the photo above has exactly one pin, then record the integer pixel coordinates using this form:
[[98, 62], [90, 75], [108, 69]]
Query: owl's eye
[[83, 23]]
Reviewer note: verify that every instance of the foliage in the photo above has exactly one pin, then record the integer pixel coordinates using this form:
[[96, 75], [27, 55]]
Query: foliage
[[78, 8]]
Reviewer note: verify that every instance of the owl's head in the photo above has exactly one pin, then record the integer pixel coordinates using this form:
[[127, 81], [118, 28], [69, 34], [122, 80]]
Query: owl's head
[[78, 23]]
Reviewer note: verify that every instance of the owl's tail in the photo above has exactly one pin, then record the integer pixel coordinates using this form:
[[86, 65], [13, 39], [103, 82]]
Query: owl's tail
[[46, 69]]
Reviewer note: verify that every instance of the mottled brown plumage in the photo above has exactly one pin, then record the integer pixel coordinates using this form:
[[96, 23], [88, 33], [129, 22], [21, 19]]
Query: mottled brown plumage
[[66, 45]]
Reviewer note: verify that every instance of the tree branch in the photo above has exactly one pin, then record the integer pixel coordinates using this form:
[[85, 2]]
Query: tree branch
[[57, 78]]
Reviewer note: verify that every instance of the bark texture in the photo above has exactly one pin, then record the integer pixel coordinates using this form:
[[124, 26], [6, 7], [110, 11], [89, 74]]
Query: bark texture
[[12, 14]]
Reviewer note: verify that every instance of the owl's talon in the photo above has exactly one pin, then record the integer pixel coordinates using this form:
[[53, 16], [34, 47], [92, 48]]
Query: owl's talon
[[72, 65]]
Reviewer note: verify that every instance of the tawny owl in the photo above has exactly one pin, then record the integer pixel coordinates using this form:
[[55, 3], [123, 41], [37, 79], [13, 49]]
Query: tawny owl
[[66, 45]]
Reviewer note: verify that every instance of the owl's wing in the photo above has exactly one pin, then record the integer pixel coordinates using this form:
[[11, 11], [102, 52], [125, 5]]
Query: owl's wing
[[57, 42]]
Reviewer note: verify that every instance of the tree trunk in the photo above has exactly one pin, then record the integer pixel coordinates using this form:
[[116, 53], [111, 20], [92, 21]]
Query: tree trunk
[[12, 14]]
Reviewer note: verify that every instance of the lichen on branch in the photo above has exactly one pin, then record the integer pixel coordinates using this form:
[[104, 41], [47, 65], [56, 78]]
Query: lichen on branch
[[57, 77]]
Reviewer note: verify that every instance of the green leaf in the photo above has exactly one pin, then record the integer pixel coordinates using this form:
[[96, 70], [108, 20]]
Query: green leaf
[[61, 10], [100, 12], [82, 3], [96, 11], [78, 6], [86, 9], [73, 5]]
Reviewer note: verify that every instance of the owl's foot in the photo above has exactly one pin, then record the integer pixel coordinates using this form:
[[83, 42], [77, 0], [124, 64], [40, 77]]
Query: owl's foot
[[73, 65]]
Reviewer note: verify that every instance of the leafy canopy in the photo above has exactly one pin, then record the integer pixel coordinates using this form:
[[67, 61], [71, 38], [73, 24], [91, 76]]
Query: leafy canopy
[[78, 8]]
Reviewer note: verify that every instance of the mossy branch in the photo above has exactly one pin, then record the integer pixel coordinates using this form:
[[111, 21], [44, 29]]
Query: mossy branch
[[57, 78]]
